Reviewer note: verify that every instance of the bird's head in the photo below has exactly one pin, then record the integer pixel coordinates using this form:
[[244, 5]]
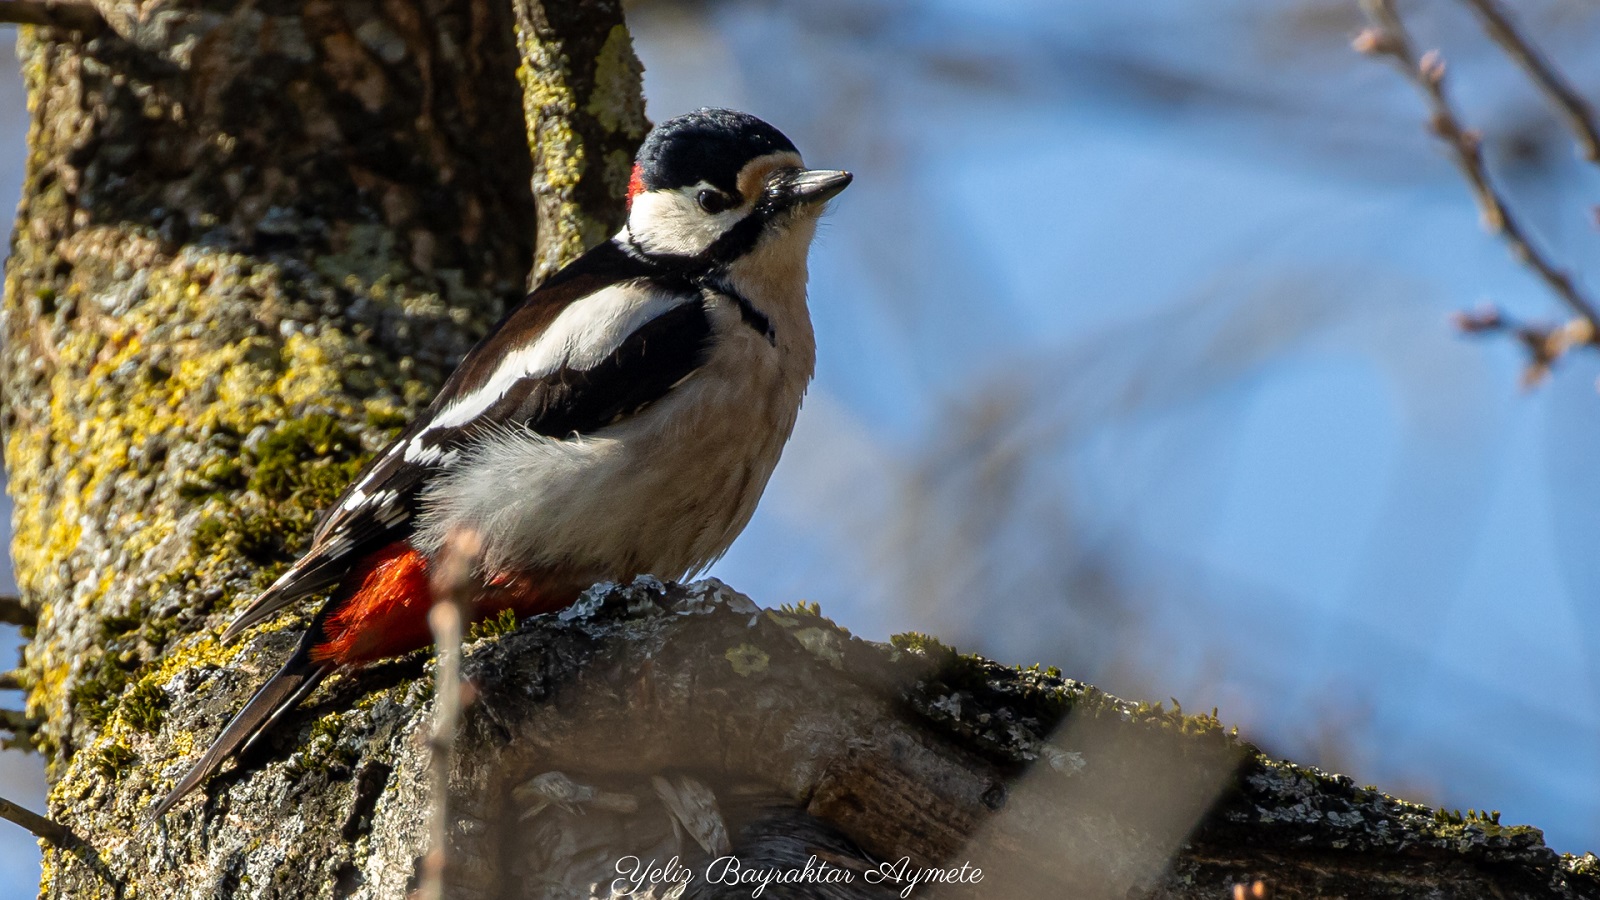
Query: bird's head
[[713, 185]]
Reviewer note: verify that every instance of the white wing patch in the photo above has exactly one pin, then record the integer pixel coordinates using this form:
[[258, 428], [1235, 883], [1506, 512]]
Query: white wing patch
[[419, 451], [581, 337], [391, 513], [358, 496], [383, 504]]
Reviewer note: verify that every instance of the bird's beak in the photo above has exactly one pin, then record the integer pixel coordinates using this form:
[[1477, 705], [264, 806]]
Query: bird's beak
[[809, 185]]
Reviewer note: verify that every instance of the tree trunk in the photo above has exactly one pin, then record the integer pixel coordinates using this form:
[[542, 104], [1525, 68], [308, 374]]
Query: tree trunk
[[250, 245]]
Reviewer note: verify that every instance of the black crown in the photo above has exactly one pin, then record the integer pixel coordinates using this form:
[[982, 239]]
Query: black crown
[[709, 145]]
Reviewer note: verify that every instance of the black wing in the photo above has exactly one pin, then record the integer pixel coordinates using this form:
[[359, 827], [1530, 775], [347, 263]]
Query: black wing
[[654, 359], [381, 503]]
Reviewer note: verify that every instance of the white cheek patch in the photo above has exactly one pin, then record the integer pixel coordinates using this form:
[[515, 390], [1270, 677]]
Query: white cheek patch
[[671, 221], [581, 337]]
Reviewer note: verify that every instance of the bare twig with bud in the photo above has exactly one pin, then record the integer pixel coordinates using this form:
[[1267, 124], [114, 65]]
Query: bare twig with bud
[[1572, 106], [1388, 36], [453, 585], [1544, 343]]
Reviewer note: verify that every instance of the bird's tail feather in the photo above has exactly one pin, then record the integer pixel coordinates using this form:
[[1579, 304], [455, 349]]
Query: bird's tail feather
[[301, 580], [282, 691]]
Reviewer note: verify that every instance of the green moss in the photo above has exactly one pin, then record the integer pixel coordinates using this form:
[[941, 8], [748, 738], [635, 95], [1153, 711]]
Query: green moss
[[117, 626], [213, 479], [113, 760], [209, 535], [1453, 825], [259, 536], [285, 460], [503, 622], [954, 669], [322, 750], [805, 608], [1046, 671], [919, 643], [326, 728], [297, 470], [144, 706], [99, 688], [386, 418]]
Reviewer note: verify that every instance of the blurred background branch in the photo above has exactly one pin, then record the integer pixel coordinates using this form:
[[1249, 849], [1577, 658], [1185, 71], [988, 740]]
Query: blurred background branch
[[80, 17], [452, 583], [1577, 111], [1155, 359], [1389, 37]]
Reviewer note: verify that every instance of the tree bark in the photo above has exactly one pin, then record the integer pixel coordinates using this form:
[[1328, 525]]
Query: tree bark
[[251, 244]]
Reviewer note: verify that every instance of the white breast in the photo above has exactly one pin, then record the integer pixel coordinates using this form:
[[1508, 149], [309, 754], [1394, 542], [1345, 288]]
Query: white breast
[[665, 491]]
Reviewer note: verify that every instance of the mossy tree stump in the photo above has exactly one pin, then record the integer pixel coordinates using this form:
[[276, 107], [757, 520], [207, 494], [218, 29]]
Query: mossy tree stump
[[253, 240]]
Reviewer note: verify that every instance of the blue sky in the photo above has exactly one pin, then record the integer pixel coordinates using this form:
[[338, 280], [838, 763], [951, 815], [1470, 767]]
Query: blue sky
[[1227, 326]]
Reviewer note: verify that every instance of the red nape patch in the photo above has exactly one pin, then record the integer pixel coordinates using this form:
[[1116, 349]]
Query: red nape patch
[[635, 184], [387, 612]]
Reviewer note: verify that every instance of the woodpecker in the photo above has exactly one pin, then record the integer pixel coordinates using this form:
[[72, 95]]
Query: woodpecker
[[622, 420]]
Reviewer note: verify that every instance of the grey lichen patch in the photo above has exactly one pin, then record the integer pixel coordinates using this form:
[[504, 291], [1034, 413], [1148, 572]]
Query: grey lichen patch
[[822, 643], [1308, 805], [705, 596], [618, 75]]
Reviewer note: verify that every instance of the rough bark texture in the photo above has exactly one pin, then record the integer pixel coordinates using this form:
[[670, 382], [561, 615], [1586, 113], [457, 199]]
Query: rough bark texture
[[252, 242]]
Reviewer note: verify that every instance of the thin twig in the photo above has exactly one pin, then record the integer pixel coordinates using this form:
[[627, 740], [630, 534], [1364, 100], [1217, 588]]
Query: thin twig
[[1544, 343], [1572, 106], [80, 17], [21, 727], [12, 612], [1389, 37], [48, 829], [452, 588], [64, 839]]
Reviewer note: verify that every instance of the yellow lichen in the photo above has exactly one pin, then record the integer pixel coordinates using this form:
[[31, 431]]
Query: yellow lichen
[[562, 158], [310, 377], [124, 390], [747, 659]]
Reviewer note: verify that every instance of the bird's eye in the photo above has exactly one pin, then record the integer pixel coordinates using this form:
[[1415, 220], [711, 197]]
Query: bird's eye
[[714, 202]]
